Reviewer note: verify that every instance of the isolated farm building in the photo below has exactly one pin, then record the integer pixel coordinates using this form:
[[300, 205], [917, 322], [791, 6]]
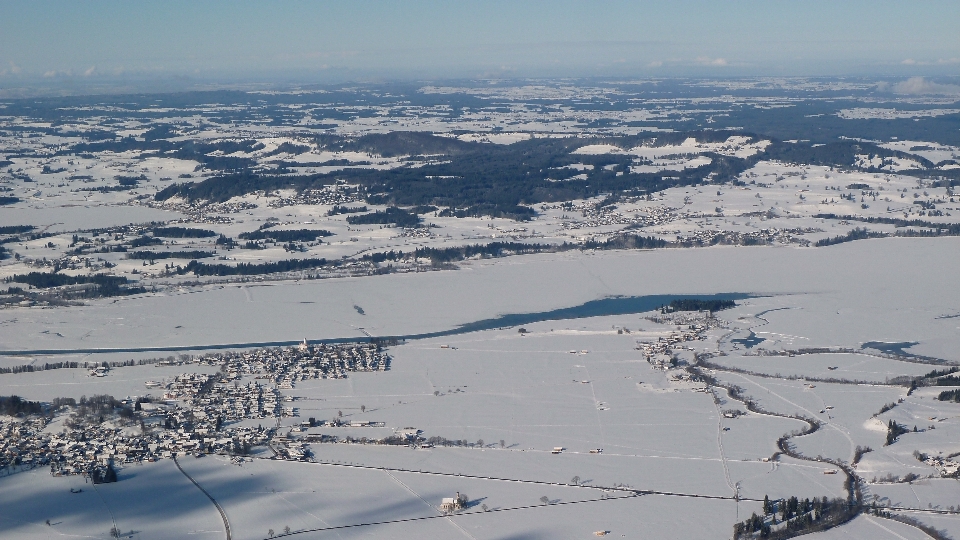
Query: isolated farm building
[[408, 432], [451, 504]]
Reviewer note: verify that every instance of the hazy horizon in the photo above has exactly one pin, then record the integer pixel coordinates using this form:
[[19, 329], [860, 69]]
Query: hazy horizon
[[178, 45]]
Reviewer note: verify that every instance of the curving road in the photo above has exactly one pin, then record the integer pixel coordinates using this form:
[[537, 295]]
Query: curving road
[[223, 515]]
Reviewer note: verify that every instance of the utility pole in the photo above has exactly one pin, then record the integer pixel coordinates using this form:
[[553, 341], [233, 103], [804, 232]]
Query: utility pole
[[737, 499]]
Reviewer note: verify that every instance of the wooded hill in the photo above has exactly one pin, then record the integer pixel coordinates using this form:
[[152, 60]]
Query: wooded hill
[[497, 180]]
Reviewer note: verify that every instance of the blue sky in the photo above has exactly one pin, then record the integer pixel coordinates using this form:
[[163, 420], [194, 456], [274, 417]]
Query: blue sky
[[368, 40]]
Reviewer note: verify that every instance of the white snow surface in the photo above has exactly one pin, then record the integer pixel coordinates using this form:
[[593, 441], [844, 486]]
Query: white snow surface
[[827, 298], [531, 392]]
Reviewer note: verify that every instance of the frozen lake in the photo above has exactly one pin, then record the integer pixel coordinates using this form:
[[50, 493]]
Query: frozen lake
[[829, 302]]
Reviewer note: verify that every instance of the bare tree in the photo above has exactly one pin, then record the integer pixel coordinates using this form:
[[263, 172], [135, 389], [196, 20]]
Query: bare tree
[[575, 480], [545, 499], [363, 408]]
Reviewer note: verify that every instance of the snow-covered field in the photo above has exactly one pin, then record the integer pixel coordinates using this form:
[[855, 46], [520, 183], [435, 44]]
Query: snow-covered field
[[530, 391]]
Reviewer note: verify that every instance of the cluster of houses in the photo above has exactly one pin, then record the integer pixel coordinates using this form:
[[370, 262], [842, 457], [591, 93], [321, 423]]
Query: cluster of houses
[[945, 466], [290, 447], [691, 326], [189, 416], [604, 216], [21, 442], [596, 215], [284, 367], [709, 237], [418, 232], [241, 401], [90, 450], [197, 211], [336, 194], [67, 262], [185, 384]]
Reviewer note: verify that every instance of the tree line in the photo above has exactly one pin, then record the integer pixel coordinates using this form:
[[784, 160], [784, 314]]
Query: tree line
[[154, 255], [693, 304], [949, 395], [791, 517], [16, 229], [44, 280], [249, 269], [17, 406], [182, 232], [300, 235], [439, 256], [391, 216], [104, 285], [30, 368], [937, 229], [855, 234]]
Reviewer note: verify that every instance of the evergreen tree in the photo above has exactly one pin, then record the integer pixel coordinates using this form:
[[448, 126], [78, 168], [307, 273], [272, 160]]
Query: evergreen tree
[[110, 475]]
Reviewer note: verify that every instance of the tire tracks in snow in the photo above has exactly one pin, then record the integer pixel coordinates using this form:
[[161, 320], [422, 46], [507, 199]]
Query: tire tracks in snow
[[223, 515]]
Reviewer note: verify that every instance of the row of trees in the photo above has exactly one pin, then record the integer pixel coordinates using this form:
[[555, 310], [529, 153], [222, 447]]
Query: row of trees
[[104, 285], [30, 368], [895, 430], [494, 249], [104, 476], [382, 256], [693, 304], [250, 269], [857, 233], [787, 518], [391, 216], [145, 241], [950, 395], [182, 232], [440, 256], [16, 229], [300, 235], [936, 229], [17, 406], [627, 241], [154, 255], [337, 210]]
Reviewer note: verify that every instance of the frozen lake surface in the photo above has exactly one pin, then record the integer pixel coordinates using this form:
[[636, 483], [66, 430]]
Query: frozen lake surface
[[818, 299]]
